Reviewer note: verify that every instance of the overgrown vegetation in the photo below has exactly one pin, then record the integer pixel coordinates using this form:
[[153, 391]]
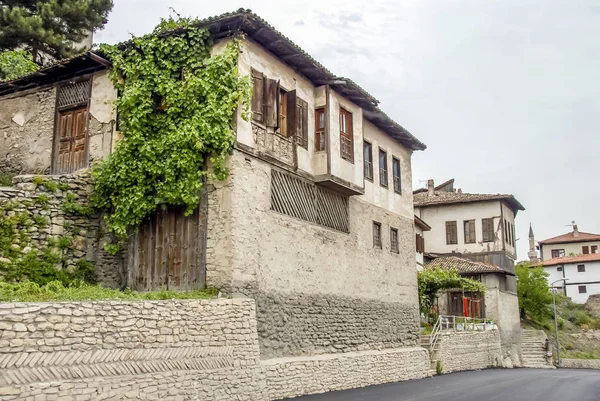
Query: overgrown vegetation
[[78, 291], [15, 63], [433, 280], [6, 179], [176, 108], [534, 295]]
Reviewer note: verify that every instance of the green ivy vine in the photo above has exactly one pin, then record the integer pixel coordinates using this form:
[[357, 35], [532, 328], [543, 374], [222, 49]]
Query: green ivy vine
[[176, 105]]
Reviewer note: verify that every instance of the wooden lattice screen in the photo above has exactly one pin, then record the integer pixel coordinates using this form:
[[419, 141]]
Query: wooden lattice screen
[[306, 201], [74, 94]]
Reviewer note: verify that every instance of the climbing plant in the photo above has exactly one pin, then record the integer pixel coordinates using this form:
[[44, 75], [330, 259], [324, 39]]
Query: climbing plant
[[176, 105], [433, 280]]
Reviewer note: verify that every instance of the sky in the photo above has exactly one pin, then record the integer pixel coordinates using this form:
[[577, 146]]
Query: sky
[[505, 93]]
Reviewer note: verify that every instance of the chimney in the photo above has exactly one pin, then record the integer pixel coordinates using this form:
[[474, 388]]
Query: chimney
[[430, 187], [575, 231]]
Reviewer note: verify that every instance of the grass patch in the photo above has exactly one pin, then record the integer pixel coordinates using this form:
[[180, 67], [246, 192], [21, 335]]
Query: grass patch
[[6, 180], [56, 291]]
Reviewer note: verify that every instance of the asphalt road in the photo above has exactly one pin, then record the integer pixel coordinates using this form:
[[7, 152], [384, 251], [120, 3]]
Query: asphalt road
[[486, 385]]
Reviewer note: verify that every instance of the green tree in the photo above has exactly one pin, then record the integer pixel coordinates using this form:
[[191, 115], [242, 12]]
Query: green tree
[[50, 26], [15, 63], [433, 280], [532, 288]]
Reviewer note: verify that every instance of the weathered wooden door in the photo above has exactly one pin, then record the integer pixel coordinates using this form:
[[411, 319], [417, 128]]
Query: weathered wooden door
[[168, 251], [72, 140]]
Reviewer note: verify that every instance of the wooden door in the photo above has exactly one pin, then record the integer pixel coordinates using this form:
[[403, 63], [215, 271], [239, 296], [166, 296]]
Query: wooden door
[[71, 136], [168, 251]]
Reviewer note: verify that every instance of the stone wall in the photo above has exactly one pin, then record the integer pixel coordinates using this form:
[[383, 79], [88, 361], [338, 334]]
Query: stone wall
[[581, 363], [592, 305], [169, 350], [469, 350], [31, 195], [318, 290]]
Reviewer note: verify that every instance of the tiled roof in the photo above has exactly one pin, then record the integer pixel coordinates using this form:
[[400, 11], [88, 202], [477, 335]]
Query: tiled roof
[[463, 266], [570, 237], [442, 185], [592, 257], [245, 21], [421, 224], [445, 198]]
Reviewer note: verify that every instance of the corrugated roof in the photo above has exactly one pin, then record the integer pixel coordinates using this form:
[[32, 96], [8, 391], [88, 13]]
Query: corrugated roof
[[245, 21], [570, 237], [592, 257], [445, 198], [463, 266]]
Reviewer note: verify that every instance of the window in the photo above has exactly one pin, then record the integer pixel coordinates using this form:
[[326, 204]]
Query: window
[[376, 235], [451, 235], [383, 178], [420, 242], [488, 229], [594, 248], [558, 253], [506, 239], [394, 240], [582, 289], [368, 160], [580, 268], [469, 231], [512, 235], [319, 130], [559, 269], [585, 250], [279, 109], [396, 173], [346, 138]]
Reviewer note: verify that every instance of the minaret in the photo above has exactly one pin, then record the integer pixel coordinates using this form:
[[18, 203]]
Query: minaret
[[533, 258]]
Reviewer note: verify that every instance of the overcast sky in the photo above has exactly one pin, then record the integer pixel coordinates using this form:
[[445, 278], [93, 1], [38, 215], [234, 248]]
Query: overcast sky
[[505, 93]]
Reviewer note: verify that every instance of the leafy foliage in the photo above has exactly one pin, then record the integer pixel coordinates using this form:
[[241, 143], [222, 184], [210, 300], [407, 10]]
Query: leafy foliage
[[532, 289], [15, 63], [433, 280], [78, 291], [176, 108], [50, 26]]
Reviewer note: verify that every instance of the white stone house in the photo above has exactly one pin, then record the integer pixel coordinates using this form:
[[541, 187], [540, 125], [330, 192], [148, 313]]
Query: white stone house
[[573, 256], [316, 218]]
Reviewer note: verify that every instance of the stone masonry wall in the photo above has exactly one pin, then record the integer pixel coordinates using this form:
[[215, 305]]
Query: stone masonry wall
[[317, 290], [581, 363], [26, 128], [87, 232], [469, 350], [169, 350]]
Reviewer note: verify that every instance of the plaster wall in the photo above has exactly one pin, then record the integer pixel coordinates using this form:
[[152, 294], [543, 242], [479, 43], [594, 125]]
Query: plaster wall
[[590, 279], [509, 216], [574, 248]]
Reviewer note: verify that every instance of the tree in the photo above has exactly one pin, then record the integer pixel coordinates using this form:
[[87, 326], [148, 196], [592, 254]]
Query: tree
[[50, 26], [532, 289], [433, 280], [14, 63]]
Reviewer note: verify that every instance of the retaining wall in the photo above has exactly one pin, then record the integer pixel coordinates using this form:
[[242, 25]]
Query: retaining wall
[[469, 350], [581, 363]]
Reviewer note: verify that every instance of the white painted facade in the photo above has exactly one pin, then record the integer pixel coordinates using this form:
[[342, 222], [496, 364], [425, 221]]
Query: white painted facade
[[569, 248], [419, 255], [588, 280], [437, 216]]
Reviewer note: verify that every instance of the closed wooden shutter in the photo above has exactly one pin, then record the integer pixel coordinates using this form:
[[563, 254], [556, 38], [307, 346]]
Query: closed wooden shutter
[[258, 96], [302, 123], [488, 229], [292, 114], [271, 106], [451, 235]]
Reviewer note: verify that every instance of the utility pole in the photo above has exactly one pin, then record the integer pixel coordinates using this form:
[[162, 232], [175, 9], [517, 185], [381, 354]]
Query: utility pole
[[558, 362]]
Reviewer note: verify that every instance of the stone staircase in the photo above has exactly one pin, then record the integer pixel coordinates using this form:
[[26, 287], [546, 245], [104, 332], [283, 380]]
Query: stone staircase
[[533, 351], [433, 353]]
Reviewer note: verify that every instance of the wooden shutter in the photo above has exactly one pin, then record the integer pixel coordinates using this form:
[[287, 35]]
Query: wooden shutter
[[292, 114], [451, 235], [585, 249], [271, 105], [302, 123], [258, 96]]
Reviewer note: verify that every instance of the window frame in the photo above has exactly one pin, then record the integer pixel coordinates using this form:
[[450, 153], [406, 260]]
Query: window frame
[[394, 245], [368, 168], [377, 240], [349, 136], [452, 224], [383, 172], [487, 235], [472, 232], [398, 178], [558, 251], [585, 250], [559, 268], [582, 287], [593, 249], [580, 268], [320, 132]]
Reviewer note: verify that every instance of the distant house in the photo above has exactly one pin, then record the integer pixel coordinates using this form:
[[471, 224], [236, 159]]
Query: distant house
[[420, 227], [573, 256]]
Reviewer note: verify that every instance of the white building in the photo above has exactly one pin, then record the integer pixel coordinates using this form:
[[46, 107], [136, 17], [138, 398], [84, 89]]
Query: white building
[[420, 227], [573, 256]]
